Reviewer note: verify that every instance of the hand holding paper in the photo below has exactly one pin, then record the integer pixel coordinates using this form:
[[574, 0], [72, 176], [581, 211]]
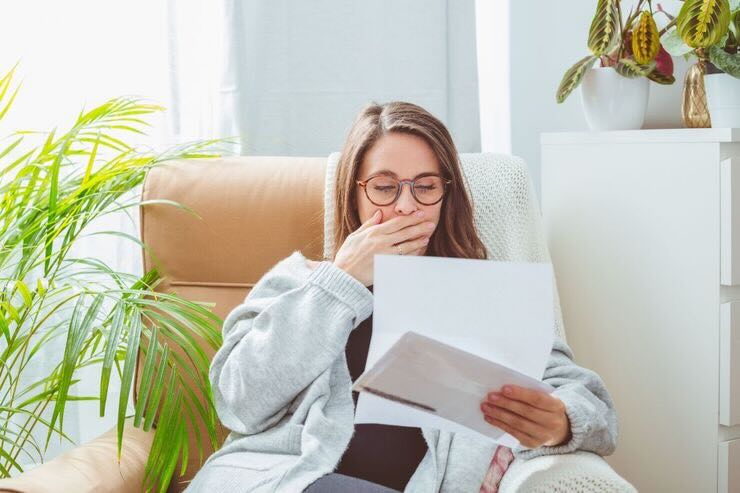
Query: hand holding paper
[[446, 332], [534, 418], [441, 380]]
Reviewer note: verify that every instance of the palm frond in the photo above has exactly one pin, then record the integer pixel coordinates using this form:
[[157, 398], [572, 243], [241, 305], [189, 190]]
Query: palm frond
[[53, 184]]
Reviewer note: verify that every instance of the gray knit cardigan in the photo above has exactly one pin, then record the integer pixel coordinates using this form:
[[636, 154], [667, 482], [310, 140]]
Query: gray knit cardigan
[[281, 385]]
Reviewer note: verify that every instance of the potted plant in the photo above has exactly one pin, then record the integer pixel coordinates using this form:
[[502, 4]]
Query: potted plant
[[709, 30], [52, 185], [615, 94]]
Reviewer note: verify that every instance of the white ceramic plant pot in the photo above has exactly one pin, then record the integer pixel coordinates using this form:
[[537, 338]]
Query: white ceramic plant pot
[[723, 100], [613, 102]]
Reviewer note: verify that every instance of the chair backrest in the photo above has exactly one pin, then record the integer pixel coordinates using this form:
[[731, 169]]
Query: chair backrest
[[255, 211]]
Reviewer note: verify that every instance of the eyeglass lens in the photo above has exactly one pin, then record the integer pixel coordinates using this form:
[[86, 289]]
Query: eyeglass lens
[[382, 190]]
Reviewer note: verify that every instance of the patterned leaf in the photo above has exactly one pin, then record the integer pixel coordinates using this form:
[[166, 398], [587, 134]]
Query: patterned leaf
[[604, 31], [702, 23], [660, 78], [573, 77], [730, 64], [730, 44], [645, 39], [627, 67]]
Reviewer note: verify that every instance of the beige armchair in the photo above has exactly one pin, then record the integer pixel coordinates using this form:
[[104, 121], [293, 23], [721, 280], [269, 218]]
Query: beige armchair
[[255, 211]]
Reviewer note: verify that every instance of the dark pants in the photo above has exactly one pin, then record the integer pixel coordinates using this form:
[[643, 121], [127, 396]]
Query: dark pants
[[339, 483]]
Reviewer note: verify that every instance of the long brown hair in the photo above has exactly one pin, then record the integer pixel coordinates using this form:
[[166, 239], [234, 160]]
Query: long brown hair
[[455, 235]]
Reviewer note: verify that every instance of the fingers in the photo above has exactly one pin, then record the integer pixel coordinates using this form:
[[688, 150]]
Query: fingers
[[536, 398], [524, 438], [540, 418], [374, 219], [400, 222], [411, 232], [525, 410], [399, 230], [416, 231], [412, 247], [519, 421]]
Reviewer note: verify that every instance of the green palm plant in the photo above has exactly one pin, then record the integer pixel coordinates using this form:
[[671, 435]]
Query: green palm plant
[[50, 191], [632, 48]]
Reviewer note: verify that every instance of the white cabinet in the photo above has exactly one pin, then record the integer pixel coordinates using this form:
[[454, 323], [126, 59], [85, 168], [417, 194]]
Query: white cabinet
[[644, 233], [729, 466], [729, 364], [730, 220]]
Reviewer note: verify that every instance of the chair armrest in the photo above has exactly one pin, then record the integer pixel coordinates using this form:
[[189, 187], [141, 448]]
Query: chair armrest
[[577, 472], [91, 467]]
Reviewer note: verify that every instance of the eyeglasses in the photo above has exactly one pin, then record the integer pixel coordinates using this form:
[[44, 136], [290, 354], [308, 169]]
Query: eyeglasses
[[384, 190]]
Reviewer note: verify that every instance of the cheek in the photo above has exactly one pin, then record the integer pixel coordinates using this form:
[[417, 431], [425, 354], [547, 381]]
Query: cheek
[[364, 208]]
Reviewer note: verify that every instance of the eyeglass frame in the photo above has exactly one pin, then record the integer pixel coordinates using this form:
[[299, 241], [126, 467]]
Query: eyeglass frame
[[399, 190]]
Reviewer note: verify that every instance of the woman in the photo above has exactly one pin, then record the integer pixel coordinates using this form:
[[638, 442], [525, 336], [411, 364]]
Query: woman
[[282, 378]]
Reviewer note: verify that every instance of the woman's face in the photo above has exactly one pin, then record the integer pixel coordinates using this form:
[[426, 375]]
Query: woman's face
[[405, 156]]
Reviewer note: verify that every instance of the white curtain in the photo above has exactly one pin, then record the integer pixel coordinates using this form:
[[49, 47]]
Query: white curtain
[[288, 77], [203, 89]]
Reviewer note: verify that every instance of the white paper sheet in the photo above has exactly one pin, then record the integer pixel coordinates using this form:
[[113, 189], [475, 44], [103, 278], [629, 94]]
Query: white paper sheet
[[499, 311]]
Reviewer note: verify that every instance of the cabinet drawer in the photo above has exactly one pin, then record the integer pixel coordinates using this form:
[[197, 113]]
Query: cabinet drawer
[[729, 364], [730, 221], [729, 467]]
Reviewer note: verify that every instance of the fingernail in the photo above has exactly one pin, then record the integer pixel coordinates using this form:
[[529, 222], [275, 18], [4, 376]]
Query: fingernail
[[425, 241], [493, 397], [430, 225], [419, 213], [507, 390]]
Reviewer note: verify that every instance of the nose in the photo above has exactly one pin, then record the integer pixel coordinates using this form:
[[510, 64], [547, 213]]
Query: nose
[[406, 204]]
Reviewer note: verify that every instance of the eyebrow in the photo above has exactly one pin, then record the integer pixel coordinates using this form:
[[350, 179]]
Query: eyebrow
[[391, 173]]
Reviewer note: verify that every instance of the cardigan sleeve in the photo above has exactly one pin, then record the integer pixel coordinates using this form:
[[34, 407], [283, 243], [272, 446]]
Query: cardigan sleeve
[[590, 409], [288, 330]]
